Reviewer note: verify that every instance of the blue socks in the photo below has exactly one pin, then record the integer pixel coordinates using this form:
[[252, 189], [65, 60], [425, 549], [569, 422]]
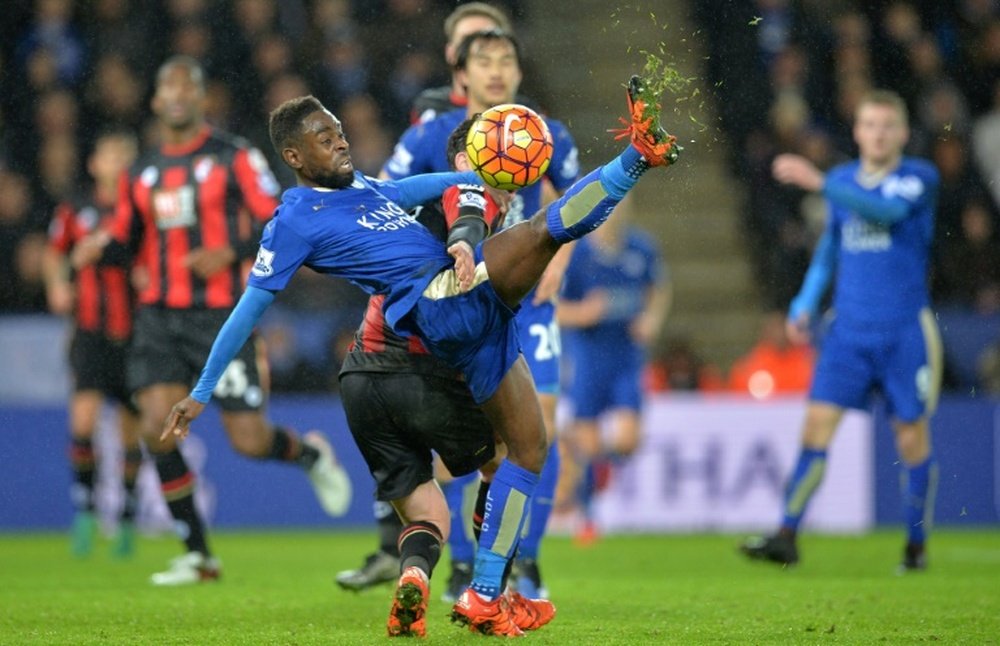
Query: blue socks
[[506, 508], [589, 202], [919, 484], [806, 477], [541, 505], [460, 504]]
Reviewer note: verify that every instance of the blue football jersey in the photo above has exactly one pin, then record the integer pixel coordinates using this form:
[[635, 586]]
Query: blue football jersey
[[358, 233], [882, 268], [625, 276]]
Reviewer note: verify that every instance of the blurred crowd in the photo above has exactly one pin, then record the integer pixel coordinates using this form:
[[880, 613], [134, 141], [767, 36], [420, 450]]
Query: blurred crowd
[[71, 70], [813, 62], [810, 63]]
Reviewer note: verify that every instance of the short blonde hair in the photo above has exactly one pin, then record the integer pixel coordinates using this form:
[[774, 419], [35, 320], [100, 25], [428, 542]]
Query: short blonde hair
[[887, 98]]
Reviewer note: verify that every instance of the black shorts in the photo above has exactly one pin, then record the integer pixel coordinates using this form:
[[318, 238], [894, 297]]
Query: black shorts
[[172, 346], [98, 363], [398, 419]]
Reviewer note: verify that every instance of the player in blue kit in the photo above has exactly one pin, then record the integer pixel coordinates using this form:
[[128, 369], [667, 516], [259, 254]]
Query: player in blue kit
[[614, 299], [339, 222], [877, 243], [488, 66]]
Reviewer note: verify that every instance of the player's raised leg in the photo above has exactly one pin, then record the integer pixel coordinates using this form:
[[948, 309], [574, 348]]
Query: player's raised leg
[[516, 257]]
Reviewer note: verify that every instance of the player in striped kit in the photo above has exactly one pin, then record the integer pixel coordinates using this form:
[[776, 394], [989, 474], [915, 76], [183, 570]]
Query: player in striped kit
[[189, 213]]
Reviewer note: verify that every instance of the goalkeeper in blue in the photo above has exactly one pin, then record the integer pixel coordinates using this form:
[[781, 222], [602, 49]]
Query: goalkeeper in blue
[[876, 248], [340, 222]]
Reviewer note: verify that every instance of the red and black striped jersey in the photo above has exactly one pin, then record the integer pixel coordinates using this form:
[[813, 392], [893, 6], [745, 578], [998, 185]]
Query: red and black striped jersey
[[104, 298], [212, 192], [377, 347]]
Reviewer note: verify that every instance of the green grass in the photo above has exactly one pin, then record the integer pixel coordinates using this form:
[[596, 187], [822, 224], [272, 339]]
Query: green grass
[[277, 589]]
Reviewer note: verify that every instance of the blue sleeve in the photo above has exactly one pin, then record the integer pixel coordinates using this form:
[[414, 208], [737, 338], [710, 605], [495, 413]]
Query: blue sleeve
[[234, 333], [824, 261], [415, 190], [869, 205], [282, 251]]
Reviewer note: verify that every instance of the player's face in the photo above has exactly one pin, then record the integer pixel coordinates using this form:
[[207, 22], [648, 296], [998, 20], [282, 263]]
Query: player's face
[[324, 156], [880, 133], [464, 27], [492, 74], [179, 97]]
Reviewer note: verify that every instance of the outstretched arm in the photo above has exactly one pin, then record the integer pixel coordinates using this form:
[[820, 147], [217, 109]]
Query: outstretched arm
[[231, 337], [806, 304], [418, 189], [873, 207]]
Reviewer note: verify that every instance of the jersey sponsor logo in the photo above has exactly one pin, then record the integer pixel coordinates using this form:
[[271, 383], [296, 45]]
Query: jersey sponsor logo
[[399, 163], [908, 187], [860, 236], [388, 217], [471, 196], [174, 208], [263, 266]]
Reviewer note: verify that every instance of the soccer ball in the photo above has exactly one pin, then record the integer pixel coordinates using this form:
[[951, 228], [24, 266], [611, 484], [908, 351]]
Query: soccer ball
[[509, 146]]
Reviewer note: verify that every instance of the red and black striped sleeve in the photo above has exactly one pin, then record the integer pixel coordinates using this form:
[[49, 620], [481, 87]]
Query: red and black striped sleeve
[[257, 183]]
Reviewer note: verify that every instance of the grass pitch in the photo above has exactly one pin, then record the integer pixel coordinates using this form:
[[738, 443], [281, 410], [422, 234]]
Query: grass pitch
[[277, 589]]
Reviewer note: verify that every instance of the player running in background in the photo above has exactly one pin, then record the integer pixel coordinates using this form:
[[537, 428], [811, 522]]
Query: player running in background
[[101, 301], [186, 213], [488, 66], [877, 243], [615, 298], [342, 223]]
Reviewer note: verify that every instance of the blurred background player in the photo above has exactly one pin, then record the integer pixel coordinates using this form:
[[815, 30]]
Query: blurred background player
[[488, 66], [877, 242], [466, 19], [100, 299], [185, 211], [616, 295]]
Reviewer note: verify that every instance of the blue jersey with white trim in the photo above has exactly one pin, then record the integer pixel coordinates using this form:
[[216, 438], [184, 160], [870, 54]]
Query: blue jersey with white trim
[[358, 233], [882, 268], [423, 149]]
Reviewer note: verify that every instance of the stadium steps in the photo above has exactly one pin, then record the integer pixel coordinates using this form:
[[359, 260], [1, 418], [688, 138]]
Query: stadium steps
[[694, 209]]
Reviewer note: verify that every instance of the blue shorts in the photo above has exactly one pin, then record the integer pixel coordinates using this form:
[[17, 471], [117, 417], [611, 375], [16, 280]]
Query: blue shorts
[[603, 382], [473, 331], [903, 361], [539, 335]]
